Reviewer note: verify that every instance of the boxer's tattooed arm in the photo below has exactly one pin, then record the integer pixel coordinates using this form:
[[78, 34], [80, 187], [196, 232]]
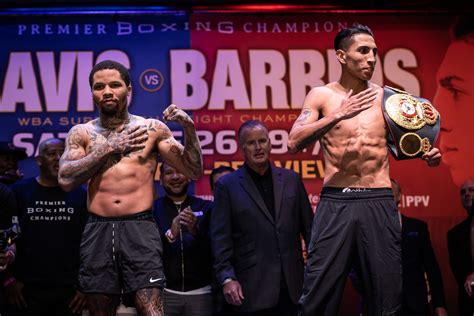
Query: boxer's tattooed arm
[[303, 116], [153, 126], [159, 127], [175, 147], [187, 159], [149, 302], [316, 135], [76, 166], [192, 154]]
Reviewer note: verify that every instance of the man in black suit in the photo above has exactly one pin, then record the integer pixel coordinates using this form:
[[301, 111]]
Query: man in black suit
[[419, 258], [260, 213], [461, 251]]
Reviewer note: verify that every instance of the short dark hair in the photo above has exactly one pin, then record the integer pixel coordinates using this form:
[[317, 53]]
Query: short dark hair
[[463, 27], [162, 167], [249, 124], [343, 39], [110, 64], [218, 170]]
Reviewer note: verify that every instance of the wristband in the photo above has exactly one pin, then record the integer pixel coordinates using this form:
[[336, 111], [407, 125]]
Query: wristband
[[227, 281]]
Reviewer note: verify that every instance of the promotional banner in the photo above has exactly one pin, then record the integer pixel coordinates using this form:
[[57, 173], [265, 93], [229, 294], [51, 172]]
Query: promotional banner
[[261, 67], [225, 69], [45, 63]]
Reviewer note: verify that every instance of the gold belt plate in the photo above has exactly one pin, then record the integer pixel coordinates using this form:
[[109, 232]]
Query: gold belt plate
[[408, 112]]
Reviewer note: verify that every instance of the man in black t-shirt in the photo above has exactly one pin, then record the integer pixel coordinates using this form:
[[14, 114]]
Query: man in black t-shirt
[[7, 214], [9, 158], [9, 173], [7, 253], [47, 261]]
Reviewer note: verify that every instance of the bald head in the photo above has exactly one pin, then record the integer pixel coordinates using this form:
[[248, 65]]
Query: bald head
[[47, 143], [467, 194], [49, 153]]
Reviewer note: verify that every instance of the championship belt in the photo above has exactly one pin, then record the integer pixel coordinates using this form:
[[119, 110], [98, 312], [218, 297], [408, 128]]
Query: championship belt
[[413, 123]]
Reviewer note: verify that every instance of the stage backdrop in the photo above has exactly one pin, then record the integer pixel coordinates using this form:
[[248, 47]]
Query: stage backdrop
[[223, 69]]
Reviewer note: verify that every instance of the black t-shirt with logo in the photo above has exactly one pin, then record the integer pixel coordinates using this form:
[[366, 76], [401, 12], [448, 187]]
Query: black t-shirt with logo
[[7, 206], [51, 223]]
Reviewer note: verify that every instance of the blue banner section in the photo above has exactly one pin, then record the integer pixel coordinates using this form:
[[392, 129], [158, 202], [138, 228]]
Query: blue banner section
[[45, 63]]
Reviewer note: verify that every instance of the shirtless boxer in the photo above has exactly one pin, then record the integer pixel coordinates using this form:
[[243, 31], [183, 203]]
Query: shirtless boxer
[[117, 154], [356, 222]]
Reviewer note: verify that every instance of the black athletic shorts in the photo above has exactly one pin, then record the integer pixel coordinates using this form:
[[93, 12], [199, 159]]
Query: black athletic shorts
[[359, 229], [121, 254]]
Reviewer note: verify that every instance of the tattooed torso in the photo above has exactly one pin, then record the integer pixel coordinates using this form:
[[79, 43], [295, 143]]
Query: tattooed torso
[[124, 183]]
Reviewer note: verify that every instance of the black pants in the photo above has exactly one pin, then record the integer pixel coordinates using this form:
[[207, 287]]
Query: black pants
[[284, 307], [46, 301], [354, 228], [465, 303], [187, 305]]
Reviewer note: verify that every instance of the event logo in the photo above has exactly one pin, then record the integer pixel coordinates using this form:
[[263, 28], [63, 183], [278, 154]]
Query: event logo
[[151, 80]]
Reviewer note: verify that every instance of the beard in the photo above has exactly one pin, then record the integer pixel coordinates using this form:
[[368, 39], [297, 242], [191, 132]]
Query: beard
[[109, 109]]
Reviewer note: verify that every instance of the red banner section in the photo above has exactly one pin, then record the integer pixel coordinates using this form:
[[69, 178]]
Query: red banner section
[[244, 67], [261, 67]]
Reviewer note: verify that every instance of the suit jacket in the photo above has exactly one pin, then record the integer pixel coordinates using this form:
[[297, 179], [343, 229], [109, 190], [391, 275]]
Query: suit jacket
[[249, 245], [459, 249], [417, 258]]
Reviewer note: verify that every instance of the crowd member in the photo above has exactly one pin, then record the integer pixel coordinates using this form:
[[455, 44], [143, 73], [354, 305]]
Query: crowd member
[[454, 100], [7, 251], [186, 246], [259, 213], [44, 280], [221, 308], [7, 209], [217, 173], [9, 158], [9, 174], [7, 213], [461, 251], [117, 154], [418, 259], [356, 218]]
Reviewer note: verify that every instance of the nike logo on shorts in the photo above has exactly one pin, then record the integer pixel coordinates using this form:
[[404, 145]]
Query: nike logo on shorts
[[155, 280]]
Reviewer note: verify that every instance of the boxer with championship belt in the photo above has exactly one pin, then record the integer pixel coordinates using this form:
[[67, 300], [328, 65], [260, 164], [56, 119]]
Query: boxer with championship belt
[[357, 223], [413, 123]]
